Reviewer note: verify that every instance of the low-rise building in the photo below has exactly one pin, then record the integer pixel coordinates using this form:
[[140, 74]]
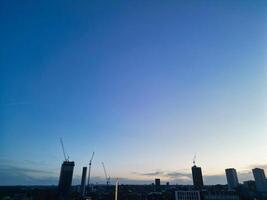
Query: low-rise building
[[220, 195], [187, 195]]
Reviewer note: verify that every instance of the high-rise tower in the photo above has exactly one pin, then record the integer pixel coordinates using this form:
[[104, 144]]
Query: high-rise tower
[[197, 177], [65, 179], [157, 184], [260, 179], [83, 181], [232, 179]]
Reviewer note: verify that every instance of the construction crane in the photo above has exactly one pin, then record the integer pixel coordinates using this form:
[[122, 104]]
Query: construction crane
[[66, 157], [107, 178], [194, 159], [89, 172], [116, 189]]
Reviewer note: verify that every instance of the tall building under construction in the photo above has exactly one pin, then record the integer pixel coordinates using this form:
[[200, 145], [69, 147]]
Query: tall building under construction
[[197, 177], [83, 181], [232, 179], [65, 179]]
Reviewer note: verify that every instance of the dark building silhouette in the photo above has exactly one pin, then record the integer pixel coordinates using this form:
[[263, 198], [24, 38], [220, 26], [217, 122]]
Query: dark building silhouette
[[65, 179], [83, 181], [197, 177], [260, 179], [232, 180], [250, 185], [219, 195], [155, 196], [157, 184], [187, 194]]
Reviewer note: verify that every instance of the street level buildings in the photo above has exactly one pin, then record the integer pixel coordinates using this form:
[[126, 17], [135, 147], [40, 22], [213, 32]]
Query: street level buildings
[[83, 181]]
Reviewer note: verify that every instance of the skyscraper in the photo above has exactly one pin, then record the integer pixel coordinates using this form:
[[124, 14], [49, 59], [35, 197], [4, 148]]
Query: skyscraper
[[260, 179], [197, 177], [232, 179], [65, 179], [83, 181], [157, 184]]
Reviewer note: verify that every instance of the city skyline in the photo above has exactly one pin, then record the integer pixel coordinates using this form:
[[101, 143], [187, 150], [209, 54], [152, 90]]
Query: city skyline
[[143, 85], [183, 177]]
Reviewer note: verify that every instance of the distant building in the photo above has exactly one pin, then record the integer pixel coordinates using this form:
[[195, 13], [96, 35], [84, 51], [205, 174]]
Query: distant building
[[157, 184], [220, 195], [155, 196], [260, 179], [187, 195], [232, 179], [197, 177], [250, 185], [65, 179], [83, 181]]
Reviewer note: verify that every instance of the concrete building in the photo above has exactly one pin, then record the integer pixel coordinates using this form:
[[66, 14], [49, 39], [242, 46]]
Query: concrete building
[[232, 179], [220, 195], [154, 196], [197, 177], [157, 184], [187, 195], [83, 181], [65, 179], [260, 179], [250, 185]]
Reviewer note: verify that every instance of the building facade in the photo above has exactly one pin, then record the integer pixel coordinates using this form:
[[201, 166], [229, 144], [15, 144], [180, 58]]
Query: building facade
[[157, 184], [83, 181], [187, 195], [232, 179], [197, 177], [220, 195], [65, 179], [260, 179]]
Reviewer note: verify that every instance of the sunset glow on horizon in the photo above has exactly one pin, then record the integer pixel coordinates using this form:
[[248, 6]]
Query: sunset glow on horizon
[[146, 85]]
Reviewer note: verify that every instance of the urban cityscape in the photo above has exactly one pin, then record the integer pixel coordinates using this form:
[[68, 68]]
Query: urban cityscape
[[133, 99], [234, 190]]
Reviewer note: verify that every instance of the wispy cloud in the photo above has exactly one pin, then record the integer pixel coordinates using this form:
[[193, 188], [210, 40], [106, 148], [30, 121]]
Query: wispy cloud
[[25, 172], [186, 177], [177, 174], [177, 177], [263, 166], [15, 103], [11, 175], [156, 173]]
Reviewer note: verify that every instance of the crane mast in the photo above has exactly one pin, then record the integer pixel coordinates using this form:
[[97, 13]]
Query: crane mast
[[107, 178], [89, 172], [194, 160], [66, 157]]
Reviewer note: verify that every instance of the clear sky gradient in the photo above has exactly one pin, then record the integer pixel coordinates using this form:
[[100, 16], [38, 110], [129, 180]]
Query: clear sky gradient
[[144, 84]]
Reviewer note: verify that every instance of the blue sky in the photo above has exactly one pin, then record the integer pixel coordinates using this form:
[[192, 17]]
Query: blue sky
[[145, 85]]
